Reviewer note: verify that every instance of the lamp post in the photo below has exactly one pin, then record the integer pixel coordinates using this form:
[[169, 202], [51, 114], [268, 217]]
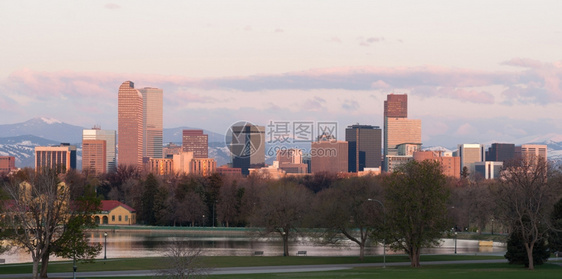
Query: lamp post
[[455, 242], [105, 246], [492, 226], [384, 239]]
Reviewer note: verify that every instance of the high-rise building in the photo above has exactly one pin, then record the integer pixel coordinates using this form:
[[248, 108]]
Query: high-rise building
[[364, 143], [60, 158], [7, 164], [130, 125], [197, 142], [248, 147], [160, 166], [396, 106], [398, 129], [290, 161], [500, 152], [470, 154], [329, 156], [109, 137], [203, 166], [152, 122], [94, 155]]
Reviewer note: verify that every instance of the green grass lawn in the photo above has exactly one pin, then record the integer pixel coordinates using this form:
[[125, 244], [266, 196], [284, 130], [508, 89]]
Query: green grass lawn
[[228, 261]]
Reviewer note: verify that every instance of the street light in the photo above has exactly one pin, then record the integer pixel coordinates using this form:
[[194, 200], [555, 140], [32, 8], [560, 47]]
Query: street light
[[455, 242], [384, 239], [105, 246]]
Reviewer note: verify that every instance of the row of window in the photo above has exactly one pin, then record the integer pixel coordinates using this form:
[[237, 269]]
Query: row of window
[[113, 218]]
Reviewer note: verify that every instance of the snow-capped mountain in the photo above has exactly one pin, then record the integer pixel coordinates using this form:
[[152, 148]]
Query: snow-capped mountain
[[46, 128], [23, 148]]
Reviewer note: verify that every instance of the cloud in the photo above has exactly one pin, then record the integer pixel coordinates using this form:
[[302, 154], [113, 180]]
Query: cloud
[[112, 6], [278, 30], [466, 130], [247, 28], [335, 40], [350, 105], [314, 104]]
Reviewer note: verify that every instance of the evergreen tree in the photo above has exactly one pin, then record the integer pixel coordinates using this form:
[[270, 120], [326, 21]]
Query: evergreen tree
[[517, 254], [555, 237]]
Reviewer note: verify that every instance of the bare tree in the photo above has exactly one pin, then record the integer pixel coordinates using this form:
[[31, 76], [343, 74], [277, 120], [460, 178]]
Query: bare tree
[[348, 211], [525, 198], [39, 213], [281, 209], [183, 261], [416, 200]]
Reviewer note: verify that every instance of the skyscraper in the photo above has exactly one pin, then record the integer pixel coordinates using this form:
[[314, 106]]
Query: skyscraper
[[398, 129], [248, 147], [130, 125], [152, 122], [470, 154], [109, 137], [329, 156], [396, 105], [197, 142], [7, 164], [94, 155], [531, 152], [364, 143]]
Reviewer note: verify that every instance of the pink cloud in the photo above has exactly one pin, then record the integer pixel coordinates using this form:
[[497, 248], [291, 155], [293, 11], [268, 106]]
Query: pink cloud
[[466, 130], [112, 6], [335, 40]]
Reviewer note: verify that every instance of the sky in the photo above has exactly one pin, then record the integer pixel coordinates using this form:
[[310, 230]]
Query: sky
[[474, 71]]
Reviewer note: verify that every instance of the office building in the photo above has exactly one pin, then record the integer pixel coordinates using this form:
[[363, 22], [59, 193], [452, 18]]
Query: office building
[[470, 154], [130, 125], [203, 166], [60, 158], [248, 147], [329, 156], [488, 169], [290, 161], [396, 106], [94, 156], [197, 142], [364, 143], [395, 161], [500, 152], [531, 151], [152, 121], [451, 166], [160, 166], [399, 131], [7, 164], [109, 137]]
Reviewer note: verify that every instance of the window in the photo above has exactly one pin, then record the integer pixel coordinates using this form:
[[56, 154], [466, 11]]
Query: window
[[119, 218], [126, 217], [112, 217]]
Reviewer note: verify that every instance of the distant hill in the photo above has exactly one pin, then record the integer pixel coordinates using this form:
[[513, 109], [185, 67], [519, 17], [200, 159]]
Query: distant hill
[[23, 148], [46, 128]]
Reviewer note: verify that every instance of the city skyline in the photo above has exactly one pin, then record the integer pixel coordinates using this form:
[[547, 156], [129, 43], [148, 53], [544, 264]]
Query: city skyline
[[474, 72]]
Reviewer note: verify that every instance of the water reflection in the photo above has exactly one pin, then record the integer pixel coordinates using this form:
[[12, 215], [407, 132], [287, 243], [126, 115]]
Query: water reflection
[[124, 244]]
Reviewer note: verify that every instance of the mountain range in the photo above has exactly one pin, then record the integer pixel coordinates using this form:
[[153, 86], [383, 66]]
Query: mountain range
[[20, 139]]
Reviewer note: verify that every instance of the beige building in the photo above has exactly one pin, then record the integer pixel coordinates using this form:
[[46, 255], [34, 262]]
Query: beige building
[[470, 154], [60, 158], [161, 166], [7, 164], [182, 162], [115, 213], [94, 155], [152, 121], [450, 165], [395, 161], [399, 131], [531, 151], [203, 166]]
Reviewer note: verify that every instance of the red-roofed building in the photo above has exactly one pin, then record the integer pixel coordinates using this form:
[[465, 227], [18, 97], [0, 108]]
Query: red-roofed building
[[116, 213]]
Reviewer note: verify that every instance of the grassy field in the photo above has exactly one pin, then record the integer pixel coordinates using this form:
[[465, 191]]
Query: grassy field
[[220, 261]]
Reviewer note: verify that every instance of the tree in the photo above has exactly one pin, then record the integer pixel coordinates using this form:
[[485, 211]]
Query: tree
[[349, 210], [416, 200], [147, 214], [555, 236], [525, 197], [41, 214], [281, 209], [182, 261], [516, 253]]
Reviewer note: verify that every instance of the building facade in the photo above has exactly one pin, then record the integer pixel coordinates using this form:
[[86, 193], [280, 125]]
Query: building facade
[[396, 106], [60, 158], [203, 166], [152, 122], [197, 142], [500, 152], [109, 137], [451, 166], [7, 164], [470, 154], [94, 155], [399, 131], [115, 213], [364, 143], [160, 166], [531, 151], [248, 147], [130, 125], [329, 156]]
